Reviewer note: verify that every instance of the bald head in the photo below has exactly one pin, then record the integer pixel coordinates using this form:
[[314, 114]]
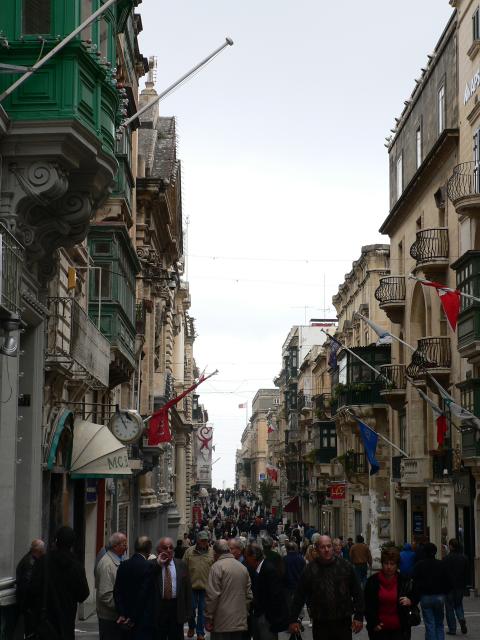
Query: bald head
[[143, 545], [324, 548], [37, 548]]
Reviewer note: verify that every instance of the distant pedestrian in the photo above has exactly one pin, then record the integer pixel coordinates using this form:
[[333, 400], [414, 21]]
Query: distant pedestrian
[[407, 560], [23, 578], [180, 550], [105, 576], [361, 558], [337, 547], [228, 596], [431, 583], [459, 571], [59, 578], [294, 564]]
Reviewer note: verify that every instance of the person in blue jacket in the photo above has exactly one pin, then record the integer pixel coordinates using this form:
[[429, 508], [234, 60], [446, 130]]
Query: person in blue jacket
[[407, 560]]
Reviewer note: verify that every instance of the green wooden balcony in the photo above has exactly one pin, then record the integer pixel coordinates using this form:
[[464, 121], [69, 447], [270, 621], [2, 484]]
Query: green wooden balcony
[[356, 394], [467, 268]]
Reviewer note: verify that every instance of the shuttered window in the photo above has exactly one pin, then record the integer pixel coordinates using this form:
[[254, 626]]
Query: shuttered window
[[37, 16]]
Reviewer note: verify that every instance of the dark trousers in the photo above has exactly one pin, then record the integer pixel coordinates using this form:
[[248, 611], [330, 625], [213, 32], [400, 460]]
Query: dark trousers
[[109, 630], [389, 635], [332, 629], [167, 626]]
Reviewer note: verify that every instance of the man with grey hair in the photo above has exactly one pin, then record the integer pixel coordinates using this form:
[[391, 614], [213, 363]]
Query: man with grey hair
[[270, 609], [105, 576], [228, 596], [23, 577], [236, 548]]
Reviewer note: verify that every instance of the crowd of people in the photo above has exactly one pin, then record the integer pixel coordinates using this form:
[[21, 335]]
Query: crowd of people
[[241, 573]]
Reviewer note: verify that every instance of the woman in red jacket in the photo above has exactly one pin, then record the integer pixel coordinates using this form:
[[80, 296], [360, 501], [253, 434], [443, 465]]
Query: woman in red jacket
[[387, 600]]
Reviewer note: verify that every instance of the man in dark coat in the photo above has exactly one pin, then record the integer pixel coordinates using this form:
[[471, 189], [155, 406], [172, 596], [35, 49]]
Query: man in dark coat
[[66, 584], [167, 593], [458, 570], [130, 577], [23, 577], [270, 609]]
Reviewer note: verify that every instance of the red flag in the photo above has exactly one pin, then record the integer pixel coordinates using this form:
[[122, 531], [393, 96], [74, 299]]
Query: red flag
[[450, 299], [158, 428], [441, 429], [272, 473]]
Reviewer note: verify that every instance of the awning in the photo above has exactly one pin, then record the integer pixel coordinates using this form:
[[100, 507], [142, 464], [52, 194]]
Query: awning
[[293, 506], [55, 435], [97, 453]]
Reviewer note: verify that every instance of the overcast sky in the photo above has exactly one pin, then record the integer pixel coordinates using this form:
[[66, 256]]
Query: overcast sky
[[285, 173]]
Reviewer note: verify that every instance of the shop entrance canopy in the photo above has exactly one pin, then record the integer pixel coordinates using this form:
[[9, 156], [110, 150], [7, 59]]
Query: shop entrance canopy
[[96, 453]]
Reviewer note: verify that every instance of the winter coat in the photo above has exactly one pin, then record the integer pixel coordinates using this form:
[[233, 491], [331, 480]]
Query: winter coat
[[228, 595], [198, 565], [407, 560], [372, 589], [66, 587], [105, 576], [152, 590]]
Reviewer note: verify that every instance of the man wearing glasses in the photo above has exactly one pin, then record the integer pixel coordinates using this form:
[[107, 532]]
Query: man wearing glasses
[[167, 593]]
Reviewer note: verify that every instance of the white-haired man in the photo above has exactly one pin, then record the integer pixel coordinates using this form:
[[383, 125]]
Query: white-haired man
[[105, 576]]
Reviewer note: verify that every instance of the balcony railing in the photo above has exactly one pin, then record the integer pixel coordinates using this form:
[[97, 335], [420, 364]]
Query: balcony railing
[[75, 344], [395, 377], [442, 465], [304, 402], [415, 470], [464, 184], [432, 353], [391, 290], [11, 260], [431, 246], [355, 463]]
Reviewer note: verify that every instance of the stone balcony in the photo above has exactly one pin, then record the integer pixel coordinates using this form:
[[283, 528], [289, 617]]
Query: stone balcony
[[464, 189], [395, 384], [433, 354], [415, 470], [431, 250]]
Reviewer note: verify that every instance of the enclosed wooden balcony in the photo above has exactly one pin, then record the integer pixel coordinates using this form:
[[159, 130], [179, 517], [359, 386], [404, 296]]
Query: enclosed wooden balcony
[[431, 250], [391, 296], [463, 189], [467, 268]]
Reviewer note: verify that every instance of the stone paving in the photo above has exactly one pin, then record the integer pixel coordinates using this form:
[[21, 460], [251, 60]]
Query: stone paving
[[88, 629]]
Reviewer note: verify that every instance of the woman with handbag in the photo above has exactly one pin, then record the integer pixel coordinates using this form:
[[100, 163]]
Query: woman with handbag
[[388, 607]]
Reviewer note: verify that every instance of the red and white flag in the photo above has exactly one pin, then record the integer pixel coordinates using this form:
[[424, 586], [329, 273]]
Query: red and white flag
[[450, 299], [242, 406], [272, 472]]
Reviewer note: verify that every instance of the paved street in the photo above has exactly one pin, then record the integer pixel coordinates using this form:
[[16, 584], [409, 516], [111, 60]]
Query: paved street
[[89, 630]]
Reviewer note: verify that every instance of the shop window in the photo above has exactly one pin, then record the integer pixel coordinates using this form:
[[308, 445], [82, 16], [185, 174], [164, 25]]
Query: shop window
[[36, 17]]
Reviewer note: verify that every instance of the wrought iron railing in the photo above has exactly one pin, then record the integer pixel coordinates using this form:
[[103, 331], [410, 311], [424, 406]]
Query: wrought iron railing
[[11, 260], [464, 182], [304, 402], [355, 463], [431, 245], [442, 465], [431, 353], [391, 289], [74, 343], [357, 394], [394, 376]]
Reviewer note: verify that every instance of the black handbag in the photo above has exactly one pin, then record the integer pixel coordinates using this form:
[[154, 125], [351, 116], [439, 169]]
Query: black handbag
[[413, 616]]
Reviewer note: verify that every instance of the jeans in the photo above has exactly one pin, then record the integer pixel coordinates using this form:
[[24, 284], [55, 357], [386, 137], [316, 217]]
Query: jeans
[[361, 571], [198, 605], [454, 607], [432, 611]]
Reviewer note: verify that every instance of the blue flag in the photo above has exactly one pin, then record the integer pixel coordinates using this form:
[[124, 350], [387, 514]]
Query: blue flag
[[369, 439], [332, 358]]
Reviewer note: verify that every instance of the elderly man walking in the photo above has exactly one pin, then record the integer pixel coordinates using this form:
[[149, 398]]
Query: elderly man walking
[[330, 586], [105, 576], [198, 559], [228, 596]]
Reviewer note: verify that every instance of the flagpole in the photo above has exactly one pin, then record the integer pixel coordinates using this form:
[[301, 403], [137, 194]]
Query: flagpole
[[389, 333], [355, 355], [379, 435], [447, 289]]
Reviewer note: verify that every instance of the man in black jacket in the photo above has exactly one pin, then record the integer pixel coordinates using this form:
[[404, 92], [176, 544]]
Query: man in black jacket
[[458, 570], [332, 589], [127, 589], [23, 578], [270, 610], [65, 582]]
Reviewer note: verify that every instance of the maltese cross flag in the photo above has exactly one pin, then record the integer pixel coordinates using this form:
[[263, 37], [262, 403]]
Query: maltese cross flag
[[450, 299]]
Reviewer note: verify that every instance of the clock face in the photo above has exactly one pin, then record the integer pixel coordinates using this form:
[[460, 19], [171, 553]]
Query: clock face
[[127, 426]]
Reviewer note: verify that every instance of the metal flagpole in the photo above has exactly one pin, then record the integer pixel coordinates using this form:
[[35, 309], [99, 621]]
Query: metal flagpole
[[379, 435], [56, 49], [447, 289], [357, 356], [388, 332], [228, 43]]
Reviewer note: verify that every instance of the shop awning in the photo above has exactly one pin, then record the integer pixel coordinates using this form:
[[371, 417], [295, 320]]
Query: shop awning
[[293, 506], [55, 434], [97, 453]]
